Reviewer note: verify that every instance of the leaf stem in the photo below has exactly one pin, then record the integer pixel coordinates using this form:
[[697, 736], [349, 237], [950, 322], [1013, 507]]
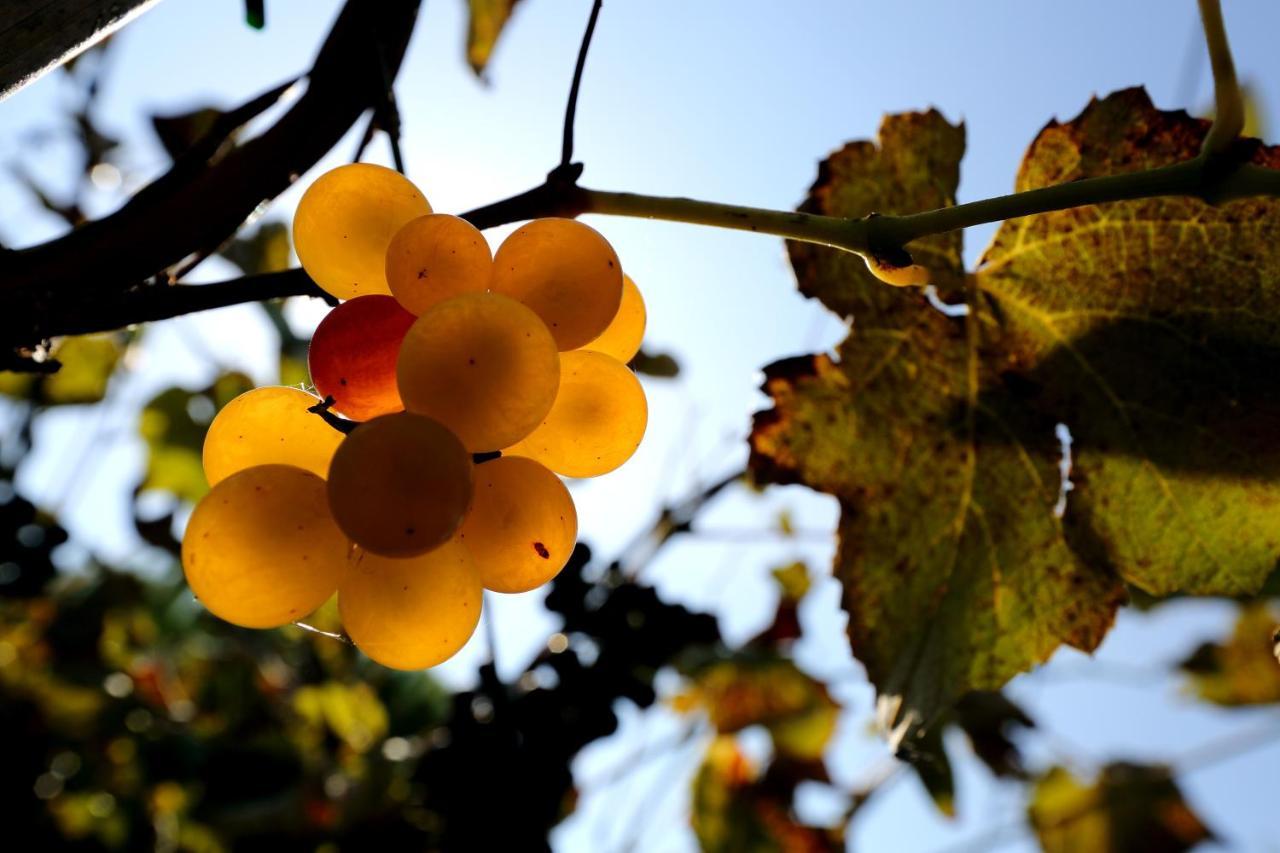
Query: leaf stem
[[1228, 116]]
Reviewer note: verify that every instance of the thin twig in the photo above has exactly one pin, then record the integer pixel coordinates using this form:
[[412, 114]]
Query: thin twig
[[387, 114], [571, 109], [1228, 104]]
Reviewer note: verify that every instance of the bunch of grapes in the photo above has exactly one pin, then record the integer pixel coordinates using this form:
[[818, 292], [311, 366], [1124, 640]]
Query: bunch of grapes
[[442, 354]]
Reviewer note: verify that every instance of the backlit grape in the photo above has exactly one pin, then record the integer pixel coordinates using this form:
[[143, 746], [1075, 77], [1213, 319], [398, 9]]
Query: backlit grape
[[353, 356], [411, 613], [266, 426], [522, 525], [483, 365], [625, 332], [566, 272], [400, 484], [434, 257], [345, 221], [596, 422], [261, 548]]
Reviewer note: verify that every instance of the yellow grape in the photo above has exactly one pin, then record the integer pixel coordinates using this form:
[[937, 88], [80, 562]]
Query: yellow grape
[[566, 272], [400, 484], [596, 422], [434, 257], [522, 524], [268, 425], [261, 548], [483, 365], [625, 332], [344, 222], [414, 613]]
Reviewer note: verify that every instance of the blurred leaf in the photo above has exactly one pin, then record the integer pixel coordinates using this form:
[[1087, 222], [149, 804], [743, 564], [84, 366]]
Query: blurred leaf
[[255, 13], [734, 810], [485, 24], [793, 580], [173, 424], [265, 250], [352, 712], [179, 132], [927, 755], [989, 718], [1130, 807], [745, 691], [1244, 669], [658, 365], [86, 364]]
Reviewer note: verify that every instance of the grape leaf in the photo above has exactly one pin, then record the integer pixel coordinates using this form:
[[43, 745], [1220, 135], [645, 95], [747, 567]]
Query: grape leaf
[[487, 19], [956, 572], [750, 690], [1243, 670], [1129, 807], [87, 363], [736, 808], [1148, 327]]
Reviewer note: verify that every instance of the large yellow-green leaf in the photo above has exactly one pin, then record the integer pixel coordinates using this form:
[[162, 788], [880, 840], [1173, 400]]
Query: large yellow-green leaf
[[487, 18], [956, 571], [1130, 807], [1243, 670], [1150, 328], [173, 424]]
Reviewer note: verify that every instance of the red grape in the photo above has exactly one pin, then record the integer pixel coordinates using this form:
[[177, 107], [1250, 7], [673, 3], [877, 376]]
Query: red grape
[[353, 356]]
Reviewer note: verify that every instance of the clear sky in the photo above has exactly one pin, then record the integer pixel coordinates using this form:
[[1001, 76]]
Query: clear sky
[[732, 100]]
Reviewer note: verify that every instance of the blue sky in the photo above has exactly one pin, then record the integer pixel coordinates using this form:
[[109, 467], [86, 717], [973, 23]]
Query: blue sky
[[732, 100]]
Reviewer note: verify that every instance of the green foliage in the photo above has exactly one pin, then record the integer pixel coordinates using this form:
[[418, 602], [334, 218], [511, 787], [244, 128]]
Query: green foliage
[[173, 424], [1244, 669], [487, 19], [87, 363], [737, 810], [1129, 807], [1132, 324]]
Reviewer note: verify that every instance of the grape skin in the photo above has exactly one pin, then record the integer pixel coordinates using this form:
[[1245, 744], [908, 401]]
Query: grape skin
[[400, 485], [411, 613], [596, 422], [261, 549], [268, 425], [345, 221], [435, 257], [566, 272], [353, 352], [625, 333], [522, 525], [483, 365]]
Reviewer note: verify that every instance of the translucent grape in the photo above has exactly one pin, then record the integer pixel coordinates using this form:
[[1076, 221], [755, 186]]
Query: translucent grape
[[596, 422], [353, 355], [566, 272], [266, 426], [434, 257], [625, 332], [400, 485], [344, 222], [261, 548], [414, 613], [483, 365], [522, 524]]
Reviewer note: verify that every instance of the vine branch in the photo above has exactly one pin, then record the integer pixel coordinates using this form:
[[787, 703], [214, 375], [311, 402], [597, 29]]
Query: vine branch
[[571, 109]]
